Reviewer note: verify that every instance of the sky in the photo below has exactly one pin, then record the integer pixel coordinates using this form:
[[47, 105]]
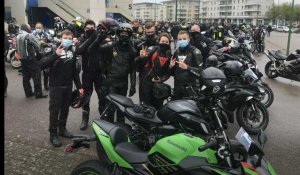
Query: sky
[[157, 1]]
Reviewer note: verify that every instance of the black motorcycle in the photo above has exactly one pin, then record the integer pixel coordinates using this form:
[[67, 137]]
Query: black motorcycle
[[282, 66]]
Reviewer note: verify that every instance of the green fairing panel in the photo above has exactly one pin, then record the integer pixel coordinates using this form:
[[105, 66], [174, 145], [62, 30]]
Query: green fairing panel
[[220, 172], [178, 147], [271, 169], [109, 148]]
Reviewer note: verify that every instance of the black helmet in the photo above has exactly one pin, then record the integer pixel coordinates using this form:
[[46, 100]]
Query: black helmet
[[212, 61], [213, 80], [236, 30], [233, 68], [124, 27], [161, 90], [107, 26], [78, 100]]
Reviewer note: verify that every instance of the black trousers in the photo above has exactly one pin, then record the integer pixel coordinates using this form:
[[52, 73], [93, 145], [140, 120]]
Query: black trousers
[[117, 86], [89, 81], [31, 69], [60, 100], [146, 94], [46, 78]]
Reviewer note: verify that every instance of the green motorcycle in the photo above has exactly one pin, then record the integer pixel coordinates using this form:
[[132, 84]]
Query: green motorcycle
[[178, 154]]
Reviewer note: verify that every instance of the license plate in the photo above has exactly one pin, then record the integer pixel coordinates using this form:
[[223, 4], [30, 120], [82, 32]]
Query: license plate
[[243, 137]]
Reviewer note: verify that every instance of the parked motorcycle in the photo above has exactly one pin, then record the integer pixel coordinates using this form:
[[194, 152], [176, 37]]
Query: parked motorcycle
[[12, 55], [282, 66]]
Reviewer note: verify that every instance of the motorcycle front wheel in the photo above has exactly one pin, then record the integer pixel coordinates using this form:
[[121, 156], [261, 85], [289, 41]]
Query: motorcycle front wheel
[[90, 167], [252, 116], [269, 96], [269, 72], [252, 47]]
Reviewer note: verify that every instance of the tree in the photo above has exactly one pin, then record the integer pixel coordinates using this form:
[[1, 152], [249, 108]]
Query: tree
[[272, 13], [297, 14]]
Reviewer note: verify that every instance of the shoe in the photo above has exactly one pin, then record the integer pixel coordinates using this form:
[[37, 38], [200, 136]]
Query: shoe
[[55, 140], [64, 133], [85, 120], [30, 95], [41, 95]]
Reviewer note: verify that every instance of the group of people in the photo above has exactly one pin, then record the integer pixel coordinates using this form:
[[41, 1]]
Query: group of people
[[110, 53]]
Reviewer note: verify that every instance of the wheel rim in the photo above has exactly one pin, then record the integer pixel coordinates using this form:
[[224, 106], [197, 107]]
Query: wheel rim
[[271, 72], [15, 63], [266, 98], [253, 119]]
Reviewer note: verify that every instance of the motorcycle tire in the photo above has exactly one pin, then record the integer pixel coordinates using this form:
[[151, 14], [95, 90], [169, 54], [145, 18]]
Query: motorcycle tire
[[243, 115], [269, 96], [268, 71], [14, 62], [94, 167], [102, 154]]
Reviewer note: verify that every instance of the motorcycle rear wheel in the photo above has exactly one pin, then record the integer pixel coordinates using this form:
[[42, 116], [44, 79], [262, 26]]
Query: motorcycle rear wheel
[[246, 117], [270, 73], [90, 167]]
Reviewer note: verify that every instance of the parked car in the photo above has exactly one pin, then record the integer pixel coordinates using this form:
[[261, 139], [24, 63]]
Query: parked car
[[285, 29]]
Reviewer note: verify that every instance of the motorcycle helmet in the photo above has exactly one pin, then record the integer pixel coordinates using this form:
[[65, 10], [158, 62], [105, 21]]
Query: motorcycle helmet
[[124, 27], [161, 90], [233, 68], [57, 19], [213, 81], [212, 61], [226, 41], [78, 100], [107, 26], [236, 30], [219, 28]]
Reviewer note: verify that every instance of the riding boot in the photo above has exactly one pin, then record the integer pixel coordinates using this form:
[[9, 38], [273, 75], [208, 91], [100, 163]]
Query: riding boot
[[54, 138], [85, 120], [64, 133]]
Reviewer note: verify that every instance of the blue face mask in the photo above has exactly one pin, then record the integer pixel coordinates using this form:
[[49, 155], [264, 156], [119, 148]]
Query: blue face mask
[[66, 43], [183, 43], [39, 30]]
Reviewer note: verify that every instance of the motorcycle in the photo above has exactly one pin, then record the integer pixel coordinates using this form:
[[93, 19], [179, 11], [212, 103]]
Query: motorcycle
[[278, 65], [12, 55], [180, 153]]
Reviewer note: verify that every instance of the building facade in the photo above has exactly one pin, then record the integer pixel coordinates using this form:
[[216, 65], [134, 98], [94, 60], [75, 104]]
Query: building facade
[[235, 11], [119, 9], [148, 11]]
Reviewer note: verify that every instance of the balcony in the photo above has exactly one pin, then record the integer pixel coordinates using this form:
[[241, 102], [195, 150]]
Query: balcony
[[252, 10], [225, 5]]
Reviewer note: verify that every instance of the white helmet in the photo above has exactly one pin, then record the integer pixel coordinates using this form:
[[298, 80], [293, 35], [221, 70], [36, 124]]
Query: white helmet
[[57, 18], [78, 18]]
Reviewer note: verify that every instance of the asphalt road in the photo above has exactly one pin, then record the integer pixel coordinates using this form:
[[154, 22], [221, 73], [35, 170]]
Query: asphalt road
[[28, 150]]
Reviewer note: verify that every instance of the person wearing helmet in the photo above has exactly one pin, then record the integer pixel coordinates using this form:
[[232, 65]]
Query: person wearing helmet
[[62, 74], [120, 56], [174, 32], [59, 25], [200, 42], [155, 62], [77, 27], [88, 48], [186, 66]]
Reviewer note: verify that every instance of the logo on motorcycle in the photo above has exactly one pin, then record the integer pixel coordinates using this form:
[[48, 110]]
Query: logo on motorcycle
[[216, 89]]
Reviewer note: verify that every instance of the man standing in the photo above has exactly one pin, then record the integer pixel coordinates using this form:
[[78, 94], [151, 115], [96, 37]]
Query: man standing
[[43, 37], [200, 42], [186, 66], [62, 74], [28, 46]]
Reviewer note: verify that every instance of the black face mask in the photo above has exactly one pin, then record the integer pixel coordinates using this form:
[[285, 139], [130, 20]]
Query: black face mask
[[124, 40], [193, 34], [164, 47], [89, 32], [150, 38]]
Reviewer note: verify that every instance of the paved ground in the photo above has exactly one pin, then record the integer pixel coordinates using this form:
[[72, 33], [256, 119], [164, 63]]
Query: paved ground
[[28, 151]]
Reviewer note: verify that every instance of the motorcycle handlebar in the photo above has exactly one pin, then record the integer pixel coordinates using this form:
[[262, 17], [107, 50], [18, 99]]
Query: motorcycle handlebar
[[209, 144]]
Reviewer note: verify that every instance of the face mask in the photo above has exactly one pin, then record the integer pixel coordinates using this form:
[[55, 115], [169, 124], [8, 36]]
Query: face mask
[[39, 30], [124, 39], [164, 47], [150, 37], [89, 32], [66, 43], [193, 34], [183, 43]]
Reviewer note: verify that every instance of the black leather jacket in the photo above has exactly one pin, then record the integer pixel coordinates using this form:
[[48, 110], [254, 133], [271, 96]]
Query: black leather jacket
[[202, 43], [193, 58]]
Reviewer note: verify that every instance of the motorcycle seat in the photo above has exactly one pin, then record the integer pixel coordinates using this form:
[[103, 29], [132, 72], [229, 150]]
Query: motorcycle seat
[[277, 54], [116, 133], [122, 100], [131, 153], [141, 117]]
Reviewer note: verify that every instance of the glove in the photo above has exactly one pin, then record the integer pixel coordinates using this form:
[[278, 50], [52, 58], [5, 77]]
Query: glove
[[132, 91], [81, 91], [138, 109]]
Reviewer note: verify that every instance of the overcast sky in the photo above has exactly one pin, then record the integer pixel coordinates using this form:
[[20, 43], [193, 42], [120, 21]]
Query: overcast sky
[[137, 1]]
